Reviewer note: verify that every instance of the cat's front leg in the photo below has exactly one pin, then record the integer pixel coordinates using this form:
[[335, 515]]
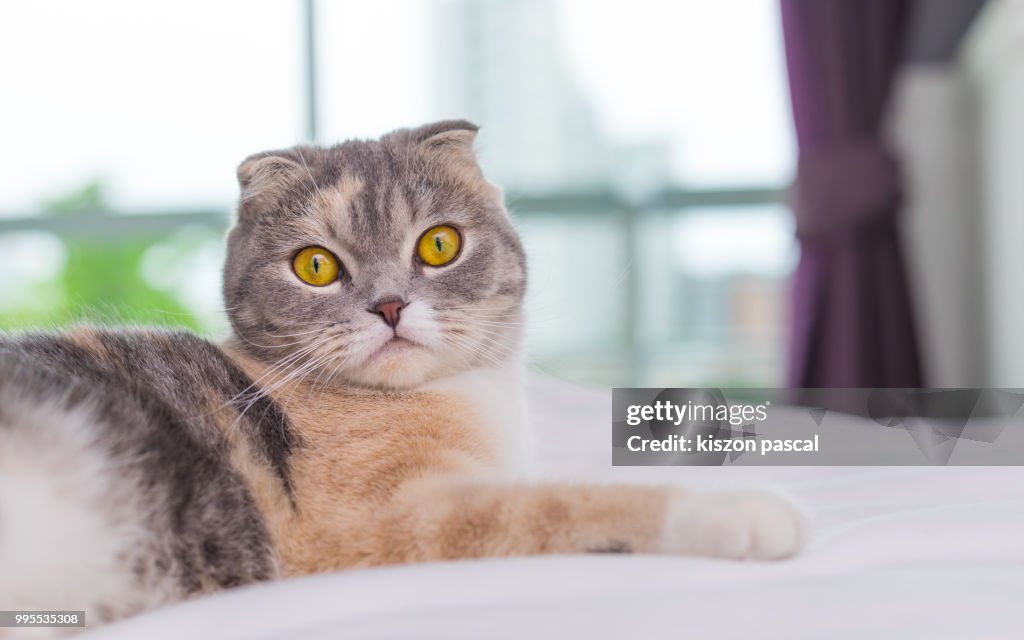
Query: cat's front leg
[[445, 519]]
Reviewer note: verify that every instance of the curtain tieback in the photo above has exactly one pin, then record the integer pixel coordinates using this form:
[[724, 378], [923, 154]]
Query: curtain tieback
[[842, 188]]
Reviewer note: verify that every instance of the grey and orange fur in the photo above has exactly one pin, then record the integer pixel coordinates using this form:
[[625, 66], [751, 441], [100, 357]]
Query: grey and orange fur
[[141, 467]]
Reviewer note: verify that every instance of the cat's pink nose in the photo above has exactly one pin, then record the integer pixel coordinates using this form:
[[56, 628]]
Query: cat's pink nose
[[390, 311]]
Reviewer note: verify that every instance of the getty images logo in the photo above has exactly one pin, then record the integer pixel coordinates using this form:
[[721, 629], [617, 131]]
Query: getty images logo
[[700, 424]]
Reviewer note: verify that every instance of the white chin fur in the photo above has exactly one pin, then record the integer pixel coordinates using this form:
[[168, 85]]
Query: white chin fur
[[395, 366], [378, 361]]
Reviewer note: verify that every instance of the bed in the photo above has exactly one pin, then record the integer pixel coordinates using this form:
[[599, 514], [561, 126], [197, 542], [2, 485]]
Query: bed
[[895, 552]]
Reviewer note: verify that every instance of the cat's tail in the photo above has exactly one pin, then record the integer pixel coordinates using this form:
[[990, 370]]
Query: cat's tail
[[63, 533]]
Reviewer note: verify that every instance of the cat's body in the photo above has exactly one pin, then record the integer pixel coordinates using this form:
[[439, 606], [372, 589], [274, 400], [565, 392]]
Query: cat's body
[[162, 436], [117, 491], [366, 412]]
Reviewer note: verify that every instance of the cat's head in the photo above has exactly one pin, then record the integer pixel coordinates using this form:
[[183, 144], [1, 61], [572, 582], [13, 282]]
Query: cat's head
[[383, 263]]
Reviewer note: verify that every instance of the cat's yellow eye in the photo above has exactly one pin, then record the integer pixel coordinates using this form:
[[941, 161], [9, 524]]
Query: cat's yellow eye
[[316, 266], [439, 245]]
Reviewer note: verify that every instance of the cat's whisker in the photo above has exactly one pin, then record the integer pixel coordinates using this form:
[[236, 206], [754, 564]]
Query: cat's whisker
[[493, 323], [277, 384], [481, 310], [492, 331], [312, 367], [477, 357], [243, 395], [494, 347], [470, 318], [464, 350], [334, 355], [470, 313], [476, 316], [318, 328], [340, 361], [273, 372], [270, 346], [489, 331], [295, 374], [339, 366], [285, 361], [316, 383], [473, 348], [249, 341], [310, 353], [308, 172]]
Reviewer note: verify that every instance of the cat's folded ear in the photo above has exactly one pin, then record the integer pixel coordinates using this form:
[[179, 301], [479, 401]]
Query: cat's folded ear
[[449, 145], [267, 179], [447, 141], [458, 133]]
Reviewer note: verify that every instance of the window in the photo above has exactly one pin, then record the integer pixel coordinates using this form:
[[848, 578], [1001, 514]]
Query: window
[[643, 147]]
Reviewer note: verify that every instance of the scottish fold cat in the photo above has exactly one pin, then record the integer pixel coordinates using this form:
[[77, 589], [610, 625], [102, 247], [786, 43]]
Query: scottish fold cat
[[366, 411]]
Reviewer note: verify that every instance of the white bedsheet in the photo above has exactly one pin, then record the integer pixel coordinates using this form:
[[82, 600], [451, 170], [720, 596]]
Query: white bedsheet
[[895, 552]]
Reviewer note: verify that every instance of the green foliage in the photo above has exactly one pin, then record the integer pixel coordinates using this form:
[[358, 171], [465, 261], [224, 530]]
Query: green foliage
[[90, 198], [100, 281]]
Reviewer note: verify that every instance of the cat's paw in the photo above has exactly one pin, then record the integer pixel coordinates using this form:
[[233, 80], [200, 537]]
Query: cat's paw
[[739, 525]]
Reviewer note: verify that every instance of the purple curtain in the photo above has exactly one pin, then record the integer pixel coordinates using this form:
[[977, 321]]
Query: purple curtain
[[852, 322]]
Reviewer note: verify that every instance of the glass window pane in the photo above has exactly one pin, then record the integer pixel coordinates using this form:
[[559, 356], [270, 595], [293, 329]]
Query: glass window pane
[[575, 316], [705, 80], [159, 101], [714, 295], [570, 93]]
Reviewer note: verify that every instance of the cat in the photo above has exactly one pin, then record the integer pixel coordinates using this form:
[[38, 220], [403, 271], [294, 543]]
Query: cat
[[366, 411]]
